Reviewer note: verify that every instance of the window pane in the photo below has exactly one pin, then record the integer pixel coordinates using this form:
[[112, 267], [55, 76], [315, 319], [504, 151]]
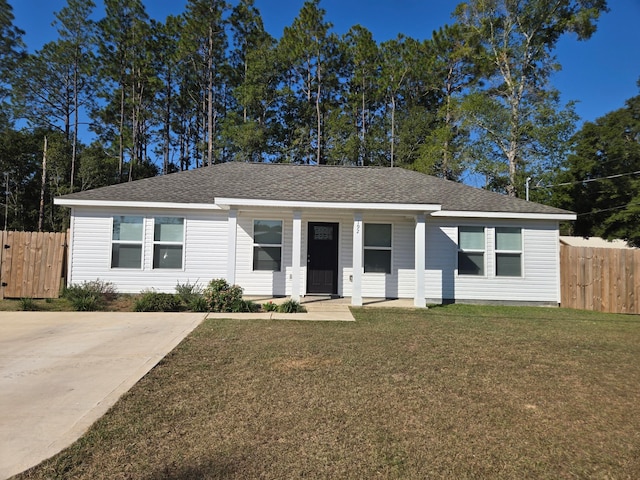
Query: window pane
[[322, 232], [508, 265], [508, 238], [127, 228], [126, 256], [266, 258], [377, 235], [167, 256], [267, 232], [471, 238], [377, 261], [168, 229], [470, 263]]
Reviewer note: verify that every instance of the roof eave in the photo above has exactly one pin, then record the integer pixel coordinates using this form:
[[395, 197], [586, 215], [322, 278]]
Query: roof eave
[[505, 215], [73, 202], [228, 203]]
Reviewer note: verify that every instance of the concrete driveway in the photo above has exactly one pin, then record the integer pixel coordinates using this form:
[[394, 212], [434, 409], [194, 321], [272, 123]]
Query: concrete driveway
[[59, 372]]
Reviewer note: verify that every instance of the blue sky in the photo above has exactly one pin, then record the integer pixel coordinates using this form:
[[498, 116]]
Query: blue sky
[[600, 73]]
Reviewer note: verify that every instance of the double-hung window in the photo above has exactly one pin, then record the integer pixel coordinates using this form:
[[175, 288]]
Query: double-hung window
[[168, 242], [126, 242], [377, 247], [267, 245], [508, 252], [471, 250]]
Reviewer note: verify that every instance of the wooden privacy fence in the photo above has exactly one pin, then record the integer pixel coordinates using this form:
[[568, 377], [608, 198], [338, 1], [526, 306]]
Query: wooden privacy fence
[[32, 264], [600, 279]]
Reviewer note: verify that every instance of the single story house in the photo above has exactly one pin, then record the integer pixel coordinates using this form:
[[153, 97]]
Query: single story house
[[298, 230]]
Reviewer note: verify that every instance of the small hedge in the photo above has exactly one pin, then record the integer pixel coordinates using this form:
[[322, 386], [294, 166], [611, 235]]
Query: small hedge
[[291, 306], [151, 301], [222, 297], [90, 296]]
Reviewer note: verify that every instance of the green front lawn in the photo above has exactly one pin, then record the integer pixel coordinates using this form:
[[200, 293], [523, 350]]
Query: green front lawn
[[451, 392]]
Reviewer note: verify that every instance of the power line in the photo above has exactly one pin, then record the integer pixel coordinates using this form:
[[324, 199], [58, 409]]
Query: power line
[[637, 172], [607, 209]]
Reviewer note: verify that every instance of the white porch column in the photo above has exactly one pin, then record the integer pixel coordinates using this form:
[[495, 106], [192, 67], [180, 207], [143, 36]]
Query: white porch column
[[358, 235], [420, 256], [296, 252], [232, 225]]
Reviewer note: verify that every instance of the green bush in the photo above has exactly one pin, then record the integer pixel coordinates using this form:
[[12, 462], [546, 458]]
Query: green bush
[[151, 301], [291, 306], [222, 297], [270, 307], [198, 304], [87, 303], [27, 304], [90, 295], [246, 306], [187, 292]]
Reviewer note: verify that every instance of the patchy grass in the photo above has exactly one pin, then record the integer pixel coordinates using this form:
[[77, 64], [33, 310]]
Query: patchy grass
[[450, 392]]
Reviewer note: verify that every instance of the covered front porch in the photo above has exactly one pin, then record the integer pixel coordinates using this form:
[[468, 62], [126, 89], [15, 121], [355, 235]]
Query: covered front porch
[[334, 249]]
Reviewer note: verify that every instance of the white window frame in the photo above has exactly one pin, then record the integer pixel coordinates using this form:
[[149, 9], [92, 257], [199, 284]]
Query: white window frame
[[519, 252], [127, 242], [365, 247], [472, 250], [267, 245], [157, 243]]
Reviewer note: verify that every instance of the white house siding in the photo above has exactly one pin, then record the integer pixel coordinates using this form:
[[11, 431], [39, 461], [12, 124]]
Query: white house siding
[[206, 244], [539, 281], [262, 282], [401, 282], [205, 250], [279, 283], [398, 284]]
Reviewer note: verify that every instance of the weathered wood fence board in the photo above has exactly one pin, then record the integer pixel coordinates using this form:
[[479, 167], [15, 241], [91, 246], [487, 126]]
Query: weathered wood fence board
[[32, 264], [600, 279]]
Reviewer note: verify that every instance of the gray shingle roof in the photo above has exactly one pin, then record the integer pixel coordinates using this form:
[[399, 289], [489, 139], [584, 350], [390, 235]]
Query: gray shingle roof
[[264, 181]]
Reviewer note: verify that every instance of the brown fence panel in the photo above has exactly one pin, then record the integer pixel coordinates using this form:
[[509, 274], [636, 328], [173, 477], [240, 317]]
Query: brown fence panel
[[32, 264], [600, 279]]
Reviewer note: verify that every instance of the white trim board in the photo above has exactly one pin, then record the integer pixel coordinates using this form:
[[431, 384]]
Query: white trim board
[[252, 202], [505, 215]]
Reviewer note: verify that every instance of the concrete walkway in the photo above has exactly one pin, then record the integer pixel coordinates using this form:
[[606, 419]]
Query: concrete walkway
[[319, 308], [60, 372]]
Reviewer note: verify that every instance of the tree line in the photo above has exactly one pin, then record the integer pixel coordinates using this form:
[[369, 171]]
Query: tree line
[[211, 85]]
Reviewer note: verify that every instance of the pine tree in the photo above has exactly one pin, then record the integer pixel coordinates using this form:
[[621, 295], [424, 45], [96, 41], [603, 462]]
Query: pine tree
[[203, 46], [11, 52], [310, 51]]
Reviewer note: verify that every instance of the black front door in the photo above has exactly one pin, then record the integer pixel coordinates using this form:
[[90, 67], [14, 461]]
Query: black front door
[[322, 258]]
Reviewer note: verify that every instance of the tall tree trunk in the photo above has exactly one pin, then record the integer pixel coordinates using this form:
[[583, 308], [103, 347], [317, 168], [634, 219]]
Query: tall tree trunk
[[319, 160], [167, 129], [43, 186], [121, 133], [393, 128], [210, 99], [446, 154], [363, 130], [74, 144]]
